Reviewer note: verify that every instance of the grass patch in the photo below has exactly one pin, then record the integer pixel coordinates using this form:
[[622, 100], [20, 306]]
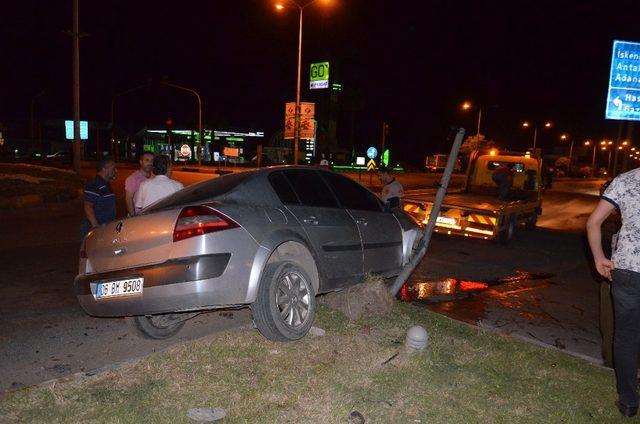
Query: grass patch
[[466, 375], [52, 183]]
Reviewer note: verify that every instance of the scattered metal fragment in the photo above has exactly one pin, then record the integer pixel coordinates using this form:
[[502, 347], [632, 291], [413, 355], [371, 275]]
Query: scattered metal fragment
[[206, 414], [390, 359]]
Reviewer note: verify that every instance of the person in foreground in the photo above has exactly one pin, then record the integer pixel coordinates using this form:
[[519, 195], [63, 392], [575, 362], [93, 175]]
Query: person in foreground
[[99, 200], [623, 270], [158, 187]]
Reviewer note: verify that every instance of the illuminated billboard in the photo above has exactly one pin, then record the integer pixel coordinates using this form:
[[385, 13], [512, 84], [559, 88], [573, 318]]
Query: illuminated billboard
[[623, 97], [69, 133], [319, 75]]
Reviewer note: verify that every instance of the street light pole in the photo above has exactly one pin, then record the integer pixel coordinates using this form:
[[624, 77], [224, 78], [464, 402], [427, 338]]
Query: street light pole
[[593, 159], [194, 92], [114, 149], [535, 136], [32, 123], [296, 140], [479, 120]]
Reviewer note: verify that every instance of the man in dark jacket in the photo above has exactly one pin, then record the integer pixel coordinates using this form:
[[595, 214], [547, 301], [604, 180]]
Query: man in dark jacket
[[99, 200]]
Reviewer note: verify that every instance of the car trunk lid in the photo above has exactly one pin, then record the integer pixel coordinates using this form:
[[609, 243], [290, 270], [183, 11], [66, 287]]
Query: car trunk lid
[[127, 243]]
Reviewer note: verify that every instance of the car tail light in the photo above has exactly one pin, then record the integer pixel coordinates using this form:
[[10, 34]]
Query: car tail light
[[198, 220]]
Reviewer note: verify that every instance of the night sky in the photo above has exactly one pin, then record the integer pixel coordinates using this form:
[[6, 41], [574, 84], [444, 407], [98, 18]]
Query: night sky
[[411, 63]]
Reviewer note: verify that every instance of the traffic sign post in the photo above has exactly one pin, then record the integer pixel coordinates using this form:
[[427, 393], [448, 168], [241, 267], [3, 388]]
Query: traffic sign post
[[371, 167], [623, 97]]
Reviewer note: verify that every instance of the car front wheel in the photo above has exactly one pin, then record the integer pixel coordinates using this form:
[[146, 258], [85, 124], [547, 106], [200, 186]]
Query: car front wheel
[[286, 304]]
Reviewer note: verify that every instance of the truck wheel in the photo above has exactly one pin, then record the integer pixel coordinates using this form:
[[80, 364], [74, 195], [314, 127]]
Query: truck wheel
[[530, 225], [157, 327], [505, 236], [286, 304]]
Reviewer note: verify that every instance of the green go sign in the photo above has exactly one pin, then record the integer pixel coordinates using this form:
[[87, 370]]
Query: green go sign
[[319, 75]]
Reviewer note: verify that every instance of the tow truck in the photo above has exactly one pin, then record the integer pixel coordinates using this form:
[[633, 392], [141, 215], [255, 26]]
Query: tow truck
[[475, 210]]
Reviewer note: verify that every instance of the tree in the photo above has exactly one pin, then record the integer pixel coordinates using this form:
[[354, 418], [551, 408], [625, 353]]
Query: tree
[[475, 142]]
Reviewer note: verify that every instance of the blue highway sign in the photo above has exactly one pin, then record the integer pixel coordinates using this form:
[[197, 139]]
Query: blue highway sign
[[372, 153], [623, 98]]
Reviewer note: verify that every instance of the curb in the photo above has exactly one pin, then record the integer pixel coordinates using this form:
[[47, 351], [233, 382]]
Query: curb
[[597, 362]]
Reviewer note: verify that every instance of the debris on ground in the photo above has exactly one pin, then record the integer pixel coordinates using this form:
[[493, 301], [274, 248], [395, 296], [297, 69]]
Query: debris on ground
[[316, 331], [206, 414], [366, 300]]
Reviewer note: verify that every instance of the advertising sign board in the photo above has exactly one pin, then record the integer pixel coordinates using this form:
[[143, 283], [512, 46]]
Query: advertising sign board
[[319, 75]]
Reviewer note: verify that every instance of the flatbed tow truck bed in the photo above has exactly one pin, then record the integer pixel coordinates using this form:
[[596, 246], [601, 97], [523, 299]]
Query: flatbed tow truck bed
[[476, 211]]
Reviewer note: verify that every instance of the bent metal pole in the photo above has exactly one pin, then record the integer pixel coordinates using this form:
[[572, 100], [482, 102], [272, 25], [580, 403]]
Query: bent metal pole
[[423, 245]]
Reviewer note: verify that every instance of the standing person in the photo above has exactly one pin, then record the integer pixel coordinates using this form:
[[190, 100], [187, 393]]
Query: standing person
[[503, 177], [99, 200], [158, 187], [392, 192], [624, 270], [132, 183]]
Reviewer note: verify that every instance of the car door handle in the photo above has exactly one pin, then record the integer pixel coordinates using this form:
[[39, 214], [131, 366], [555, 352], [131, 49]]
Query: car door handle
[[312, 220], [362, 221]]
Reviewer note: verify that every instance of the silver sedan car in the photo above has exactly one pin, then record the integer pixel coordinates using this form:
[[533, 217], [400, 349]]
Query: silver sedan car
[[272, 239]]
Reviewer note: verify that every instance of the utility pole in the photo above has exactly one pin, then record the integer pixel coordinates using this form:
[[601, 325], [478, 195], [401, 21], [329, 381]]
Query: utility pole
[[32, 121], [384, 135], [77, 146], [614, 171]]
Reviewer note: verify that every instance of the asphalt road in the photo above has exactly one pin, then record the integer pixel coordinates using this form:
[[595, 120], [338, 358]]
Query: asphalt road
[[44, 334]]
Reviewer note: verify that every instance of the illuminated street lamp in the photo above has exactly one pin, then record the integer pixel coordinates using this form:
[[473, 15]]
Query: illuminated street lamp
[[280, 6], [526, 124], [467, 106]]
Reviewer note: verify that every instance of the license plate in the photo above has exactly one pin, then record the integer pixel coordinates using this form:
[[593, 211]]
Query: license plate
[[446, 220], [118, 288]]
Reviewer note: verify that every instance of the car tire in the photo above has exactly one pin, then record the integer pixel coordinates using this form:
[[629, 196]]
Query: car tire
[[531, 223], [285, 307], [505, 236], [157, 327]]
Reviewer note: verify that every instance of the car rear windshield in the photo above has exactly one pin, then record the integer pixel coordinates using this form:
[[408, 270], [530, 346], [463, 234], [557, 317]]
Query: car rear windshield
[[203, 191]]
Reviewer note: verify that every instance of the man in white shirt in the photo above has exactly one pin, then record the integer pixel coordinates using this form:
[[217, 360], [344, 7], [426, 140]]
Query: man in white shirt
[[392, 192], [159, 186]]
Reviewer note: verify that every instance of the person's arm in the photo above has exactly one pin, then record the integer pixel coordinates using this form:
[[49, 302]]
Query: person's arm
[[594, 234], [138, 199], [128, 196], [90, 213]]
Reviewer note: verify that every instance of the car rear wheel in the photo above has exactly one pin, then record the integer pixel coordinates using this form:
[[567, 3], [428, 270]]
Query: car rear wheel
[[286, 304], [157, 327], [505, 236]]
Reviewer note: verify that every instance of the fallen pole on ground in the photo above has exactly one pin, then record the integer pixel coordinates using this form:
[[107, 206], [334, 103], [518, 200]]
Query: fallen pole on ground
[[423, 245]]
